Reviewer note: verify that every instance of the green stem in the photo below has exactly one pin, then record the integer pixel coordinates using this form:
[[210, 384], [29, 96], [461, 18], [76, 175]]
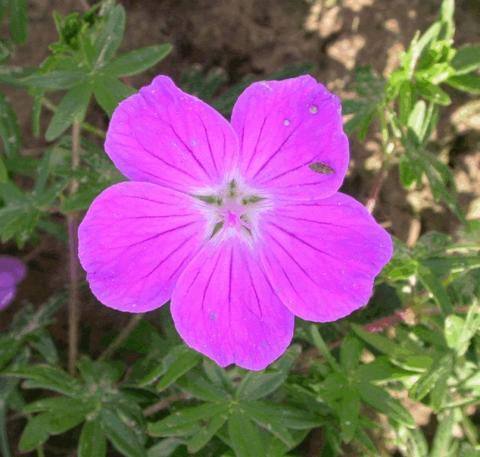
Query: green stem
[[74, 271], [121, 337]]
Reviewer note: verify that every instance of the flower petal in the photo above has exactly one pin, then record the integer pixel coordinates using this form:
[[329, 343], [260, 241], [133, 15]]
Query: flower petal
[[224, 306], [322, 257], [14, 266], [134, 242], [163, 135], [7, 294], [291, 138]]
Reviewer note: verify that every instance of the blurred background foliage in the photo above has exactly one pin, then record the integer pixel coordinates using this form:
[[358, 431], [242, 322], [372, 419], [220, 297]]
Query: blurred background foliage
[[401, 377]]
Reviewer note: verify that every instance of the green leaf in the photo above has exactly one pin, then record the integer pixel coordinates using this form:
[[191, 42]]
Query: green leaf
[[466, 59], [206, 433], [9, 130], [138, 60], [18, 20], [184, 419], [459, 332], [72, 108], [217, 375], [35, 433], [54, 80], [256, 385], [165, 448], [350, 351], [439, 369], [443, 435], [120, 434], [104, 372], [452, 264], [379, 399], [82, 199], [379, 342], [57, 419], [330, 390], [370, 90], [43, 170], [433, 93], [405, 99], [47, 377], [179, 361], [381, 370], [110, 36], [438, 394], [290, 417], [436, 288], [37, 113], [202, 388], [65, 419], [417, 445], [245, 436], [466, 83], [109, 92], [3, 172], [19, 217], [441, 180], [60, 405], [92, 441], [322, 347], [349, 413], [273, 425], [454, 326], [4, 441], [416, 119], [447, 10], [418, 48], [408, 171]]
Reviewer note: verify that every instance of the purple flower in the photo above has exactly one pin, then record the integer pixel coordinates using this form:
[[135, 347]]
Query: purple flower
[[12, 271], [240, 224]]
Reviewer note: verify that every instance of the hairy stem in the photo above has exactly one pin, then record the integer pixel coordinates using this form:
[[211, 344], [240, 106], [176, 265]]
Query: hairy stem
[[73, 267], [164, 403], [375, 191], [121, 337], [387, 149]]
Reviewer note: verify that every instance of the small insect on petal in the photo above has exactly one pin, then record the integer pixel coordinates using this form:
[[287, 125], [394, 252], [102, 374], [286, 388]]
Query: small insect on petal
[[320, 167]]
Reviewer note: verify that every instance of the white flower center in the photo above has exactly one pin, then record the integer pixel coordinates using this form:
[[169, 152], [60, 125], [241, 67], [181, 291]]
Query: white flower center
[[232, 209]]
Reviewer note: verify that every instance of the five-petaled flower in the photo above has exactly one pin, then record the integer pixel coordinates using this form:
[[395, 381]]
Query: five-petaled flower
[[239, 224], [12, 271]]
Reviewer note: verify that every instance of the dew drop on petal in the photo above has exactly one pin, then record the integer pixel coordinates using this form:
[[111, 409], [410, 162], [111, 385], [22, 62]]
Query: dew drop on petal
[[313, 109], [286, 122]]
